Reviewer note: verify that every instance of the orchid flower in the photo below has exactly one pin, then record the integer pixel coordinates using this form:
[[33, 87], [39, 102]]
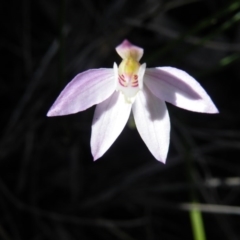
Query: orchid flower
[[130, 86]]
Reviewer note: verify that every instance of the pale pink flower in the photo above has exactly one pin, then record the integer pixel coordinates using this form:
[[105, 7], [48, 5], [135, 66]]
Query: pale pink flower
[[130, 86]]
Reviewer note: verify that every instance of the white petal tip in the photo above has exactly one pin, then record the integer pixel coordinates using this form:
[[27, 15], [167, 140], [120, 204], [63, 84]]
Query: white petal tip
[[162, 160], [215, 111], [51, 113], [211, 110], [95, 158], [95, 154]]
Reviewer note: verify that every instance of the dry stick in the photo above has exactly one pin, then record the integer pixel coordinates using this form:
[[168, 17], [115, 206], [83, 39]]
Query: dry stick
[[34, 83], [97, 222]]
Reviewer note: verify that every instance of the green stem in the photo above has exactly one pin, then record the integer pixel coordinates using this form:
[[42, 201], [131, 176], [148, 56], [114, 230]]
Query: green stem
[[195, 214], [197, 224]]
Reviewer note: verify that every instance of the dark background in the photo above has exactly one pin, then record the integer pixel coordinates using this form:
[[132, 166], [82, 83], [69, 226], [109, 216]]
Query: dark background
[[50, 188]]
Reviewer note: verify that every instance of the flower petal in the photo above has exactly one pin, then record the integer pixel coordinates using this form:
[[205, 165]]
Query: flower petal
[[152, 122], [179, 88], [109, 119], [86, 89], [126, 50]]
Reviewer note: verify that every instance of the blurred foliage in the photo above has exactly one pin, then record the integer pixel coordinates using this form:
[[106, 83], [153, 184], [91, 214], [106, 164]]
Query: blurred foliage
[[50, 188]]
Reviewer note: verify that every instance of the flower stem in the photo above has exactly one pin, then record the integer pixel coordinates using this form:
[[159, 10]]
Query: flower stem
[[195, 214], [197, 224]]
